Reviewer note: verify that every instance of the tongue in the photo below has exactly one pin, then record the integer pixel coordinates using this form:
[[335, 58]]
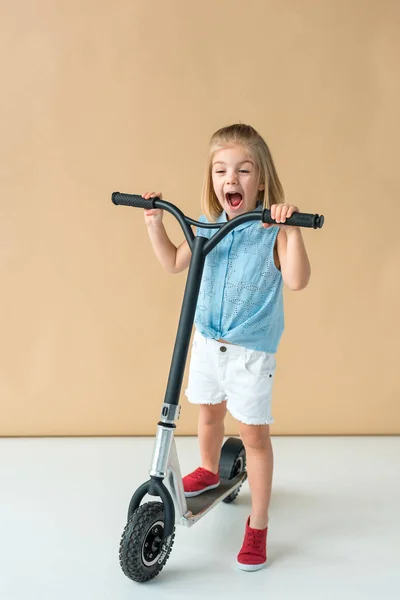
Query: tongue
[[235, 199]]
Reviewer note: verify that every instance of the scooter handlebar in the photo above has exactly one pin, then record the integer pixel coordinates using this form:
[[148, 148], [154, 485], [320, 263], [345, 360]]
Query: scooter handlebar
[[296, 220], [133, 200]]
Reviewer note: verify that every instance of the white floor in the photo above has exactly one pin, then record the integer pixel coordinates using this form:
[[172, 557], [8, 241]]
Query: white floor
[[334, 523]]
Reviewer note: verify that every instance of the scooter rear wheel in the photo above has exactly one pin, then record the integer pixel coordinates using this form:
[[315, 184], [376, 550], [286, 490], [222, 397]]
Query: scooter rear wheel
[[142, 551], [232, 463]]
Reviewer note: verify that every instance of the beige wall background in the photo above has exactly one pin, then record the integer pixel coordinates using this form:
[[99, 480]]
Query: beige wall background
[[100, 96]]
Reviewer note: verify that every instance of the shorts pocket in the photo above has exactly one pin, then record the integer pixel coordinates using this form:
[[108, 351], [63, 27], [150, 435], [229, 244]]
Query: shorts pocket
[[198, 353], [259, 364]]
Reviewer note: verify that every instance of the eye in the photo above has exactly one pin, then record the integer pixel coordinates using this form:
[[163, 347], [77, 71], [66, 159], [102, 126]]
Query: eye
[[243, 171], [220, 171]]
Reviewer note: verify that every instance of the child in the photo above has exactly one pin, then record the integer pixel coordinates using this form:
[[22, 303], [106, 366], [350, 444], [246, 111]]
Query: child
[[239, 317]]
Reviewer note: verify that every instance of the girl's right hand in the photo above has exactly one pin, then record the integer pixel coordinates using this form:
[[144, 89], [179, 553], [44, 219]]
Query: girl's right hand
[[154, 216]]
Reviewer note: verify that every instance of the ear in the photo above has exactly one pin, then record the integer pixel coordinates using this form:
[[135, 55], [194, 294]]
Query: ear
[[261, 187]]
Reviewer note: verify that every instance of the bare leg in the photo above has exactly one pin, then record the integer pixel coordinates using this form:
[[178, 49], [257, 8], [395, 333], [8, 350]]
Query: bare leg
[[260, 464], [211, 434]]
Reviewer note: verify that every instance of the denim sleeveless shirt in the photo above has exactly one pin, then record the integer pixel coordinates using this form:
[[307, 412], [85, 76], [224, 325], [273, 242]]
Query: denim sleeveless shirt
[[241, 293]]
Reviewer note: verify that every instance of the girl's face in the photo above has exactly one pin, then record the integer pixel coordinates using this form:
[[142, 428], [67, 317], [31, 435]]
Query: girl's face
[[235, 180]]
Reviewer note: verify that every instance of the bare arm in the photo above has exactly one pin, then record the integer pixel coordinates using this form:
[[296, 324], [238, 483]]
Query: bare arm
[[292, 254], [295, 266], [173, 259]]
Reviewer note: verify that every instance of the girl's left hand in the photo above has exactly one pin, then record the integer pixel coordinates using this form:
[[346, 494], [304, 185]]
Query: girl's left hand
[[281, 212]]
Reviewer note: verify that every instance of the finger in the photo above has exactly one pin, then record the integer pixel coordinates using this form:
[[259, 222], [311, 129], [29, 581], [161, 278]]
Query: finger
[[292, 209], [284, 212], [278, 213]]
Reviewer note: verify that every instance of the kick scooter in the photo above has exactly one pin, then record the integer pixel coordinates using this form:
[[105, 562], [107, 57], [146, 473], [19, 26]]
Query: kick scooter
[[148, 537]]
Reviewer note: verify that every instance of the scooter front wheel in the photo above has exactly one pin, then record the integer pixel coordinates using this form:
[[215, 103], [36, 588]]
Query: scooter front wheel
[[143, 552]]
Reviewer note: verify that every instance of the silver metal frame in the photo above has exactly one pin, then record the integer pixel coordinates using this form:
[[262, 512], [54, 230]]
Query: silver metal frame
[[165, 464]]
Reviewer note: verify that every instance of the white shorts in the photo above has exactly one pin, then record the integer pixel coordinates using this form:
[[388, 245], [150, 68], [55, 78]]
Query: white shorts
[[242, 377]]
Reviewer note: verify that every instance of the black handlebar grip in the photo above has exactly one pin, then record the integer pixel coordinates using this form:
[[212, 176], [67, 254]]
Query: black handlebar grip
[[297, 219], [132, 200]]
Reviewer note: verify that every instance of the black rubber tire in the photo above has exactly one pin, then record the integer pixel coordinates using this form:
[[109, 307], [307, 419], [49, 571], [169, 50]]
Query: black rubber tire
[[146, 524], [232, 462]]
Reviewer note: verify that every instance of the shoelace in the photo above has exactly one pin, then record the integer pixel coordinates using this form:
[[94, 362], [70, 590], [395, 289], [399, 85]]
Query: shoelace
[[254, 539], [198, 473]]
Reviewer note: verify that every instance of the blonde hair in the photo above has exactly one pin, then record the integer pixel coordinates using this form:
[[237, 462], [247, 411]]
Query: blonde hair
[[250, 139]]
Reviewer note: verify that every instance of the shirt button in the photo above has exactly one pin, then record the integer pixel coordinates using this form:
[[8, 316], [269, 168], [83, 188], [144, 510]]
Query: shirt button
[[223, 349]]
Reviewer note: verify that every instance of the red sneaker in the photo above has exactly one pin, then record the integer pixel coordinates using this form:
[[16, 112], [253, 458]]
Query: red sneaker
[[199, 481], [253, 554]]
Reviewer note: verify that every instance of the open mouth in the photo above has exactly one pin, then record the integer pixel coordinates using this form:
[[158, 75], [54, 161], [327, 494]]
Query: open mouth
[[234, 200]]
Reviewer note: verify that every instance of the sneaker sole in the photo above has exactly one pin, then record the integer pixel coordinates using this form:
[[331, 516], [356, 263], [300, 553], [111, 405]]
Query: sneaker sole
[[250, 567], [192, 494]]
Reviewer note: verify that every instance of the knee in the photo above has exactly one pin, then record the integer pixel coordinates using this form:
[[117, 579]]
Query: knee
[[255, 437], [212, 414]]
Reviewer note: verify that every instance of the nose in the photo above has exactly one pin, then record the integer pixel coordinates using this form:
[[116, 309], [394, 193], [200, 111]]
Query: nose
[[231, 178]]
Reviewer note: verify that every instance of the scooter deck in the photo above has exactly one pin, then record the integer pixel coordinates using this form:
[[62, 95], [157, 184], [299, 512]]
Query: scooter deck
[[197, 504]]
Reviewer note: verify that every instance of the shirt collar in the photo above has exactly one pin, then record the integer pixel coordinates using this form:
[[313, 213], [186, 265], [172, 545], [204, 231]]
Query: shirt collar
[[222, 218]]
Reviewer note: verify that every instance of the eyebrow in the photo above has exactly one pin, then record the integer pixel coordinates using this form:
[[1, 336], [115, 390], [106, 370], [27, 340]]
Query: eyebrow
[[220, 162]]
